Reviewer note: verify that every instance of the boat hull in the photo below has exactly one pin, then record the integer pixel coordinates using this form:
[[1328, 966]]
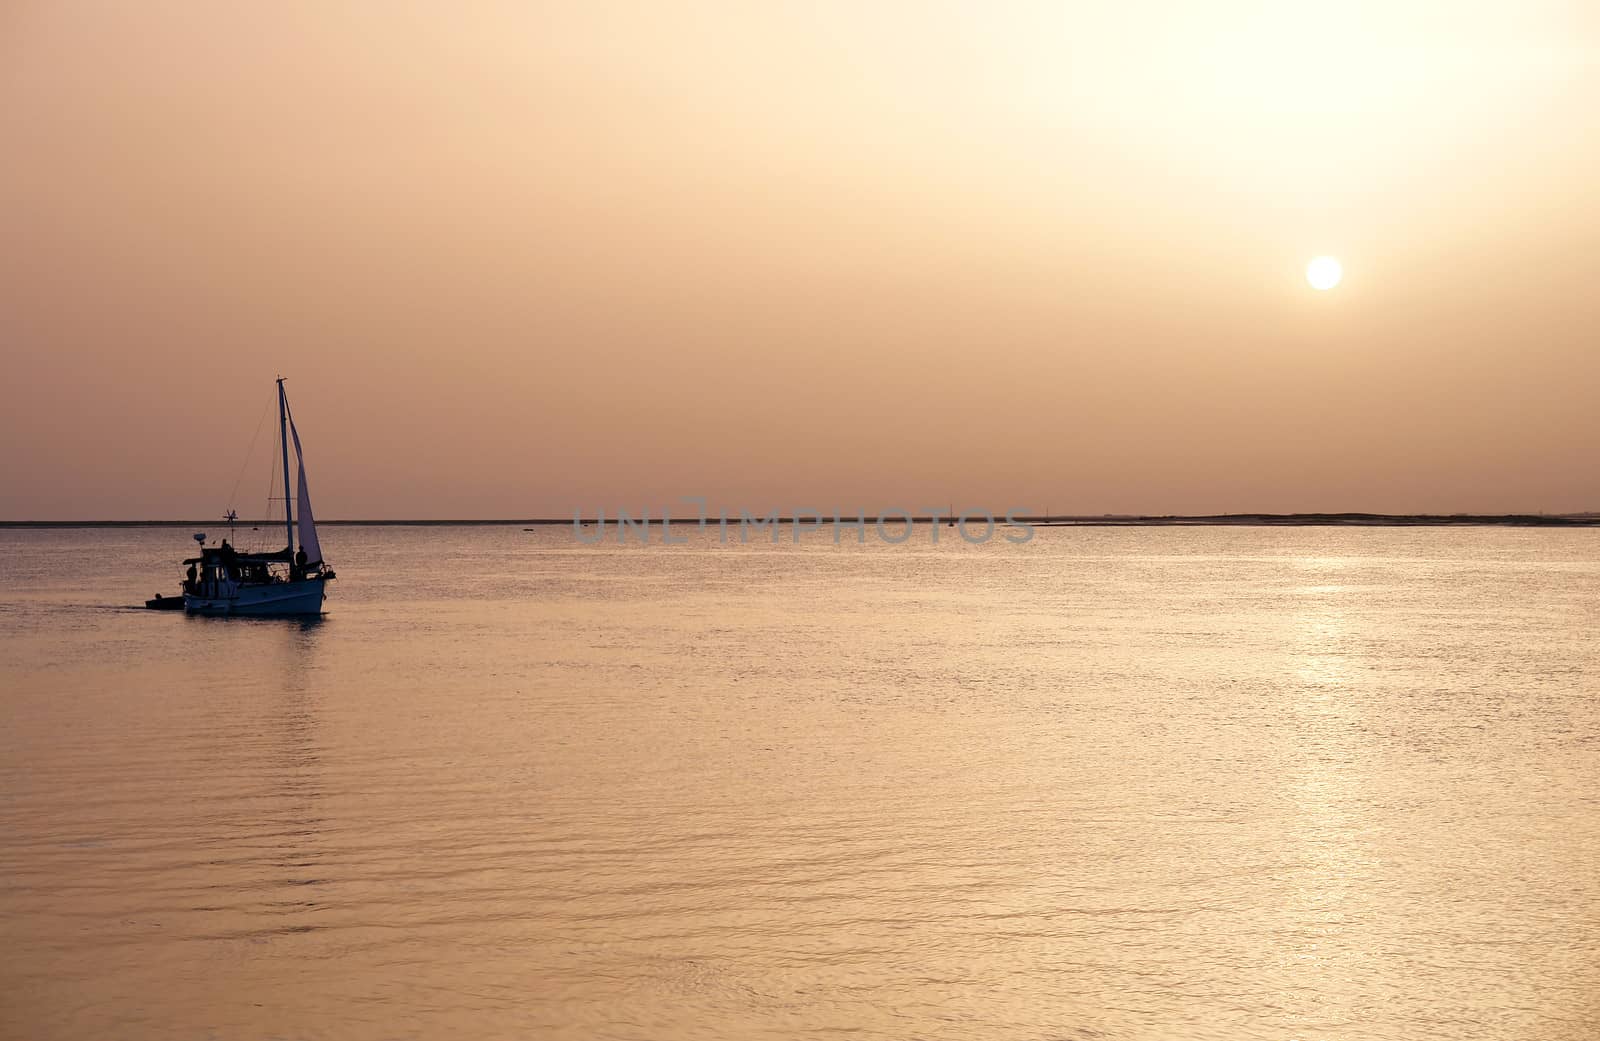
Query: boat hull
[[276, 600]]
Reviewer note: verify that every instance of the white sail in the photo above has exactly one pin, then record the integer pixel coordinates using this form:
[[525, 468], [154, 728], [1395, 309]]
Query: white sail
[[307, 524]]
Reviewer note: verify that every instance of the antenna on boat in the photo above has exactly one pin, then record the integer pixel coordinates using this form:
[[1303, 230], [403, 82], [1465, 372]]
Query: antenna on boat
[[230, 517]]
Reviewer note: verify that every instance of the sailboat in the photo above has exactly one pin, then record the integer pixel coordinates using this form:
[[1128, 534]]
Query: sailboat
[[223, 581]]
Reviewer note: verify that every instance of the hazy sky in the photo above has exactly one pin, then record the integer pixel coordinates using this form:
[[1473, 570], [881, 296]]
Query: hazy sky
[[519, 258]]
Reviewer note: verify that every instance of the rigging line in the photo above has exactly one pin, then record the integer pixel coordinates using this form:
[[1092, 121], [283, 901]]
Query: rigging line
[[233, 495], [272, 486], [288, 411]]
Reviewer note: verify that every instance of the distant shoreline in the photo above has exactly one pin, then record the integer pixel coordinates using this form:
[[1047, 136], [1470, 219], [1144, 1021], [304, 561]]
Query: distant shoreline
[[1360, 520]]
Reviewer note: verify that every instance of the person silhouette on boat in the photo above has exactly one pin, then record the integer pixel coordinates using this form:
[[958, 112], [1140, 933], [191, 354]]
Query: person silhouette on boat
[[230, 560], [300, 568], [188, 586]]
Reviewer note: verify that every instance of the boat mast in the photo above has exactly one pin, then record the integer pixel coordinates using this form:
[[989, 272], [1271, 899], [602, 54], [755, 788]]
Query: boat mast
[[283, 439]]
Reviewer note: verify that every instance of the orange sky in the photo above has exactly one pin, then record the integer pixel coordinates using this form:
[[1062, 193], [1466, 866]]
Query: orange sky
[[519, 258]]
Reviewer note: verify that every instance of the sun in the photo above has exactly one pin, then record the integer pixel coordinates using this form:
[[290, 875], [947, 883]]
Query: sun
[[1324, 272]]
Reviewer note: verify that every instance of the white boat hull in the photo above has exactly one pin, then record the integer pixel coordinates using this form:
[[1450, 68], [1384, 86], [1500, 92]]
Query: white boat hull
[[277, 600]]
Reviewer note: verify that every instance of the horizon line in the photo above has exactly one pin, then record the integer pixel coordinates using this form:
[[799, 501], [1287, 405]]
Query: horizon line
[[1257, 518]]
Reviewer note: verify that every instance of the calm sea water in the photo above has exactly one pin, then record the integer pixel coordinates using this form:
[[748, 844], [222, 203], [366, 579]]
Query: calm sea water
[[1114, 783]]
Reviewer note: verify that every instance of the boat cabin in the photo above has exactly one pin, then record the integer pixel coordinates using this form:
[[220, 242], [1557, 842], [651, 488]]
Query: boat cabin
[[221, 570]]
